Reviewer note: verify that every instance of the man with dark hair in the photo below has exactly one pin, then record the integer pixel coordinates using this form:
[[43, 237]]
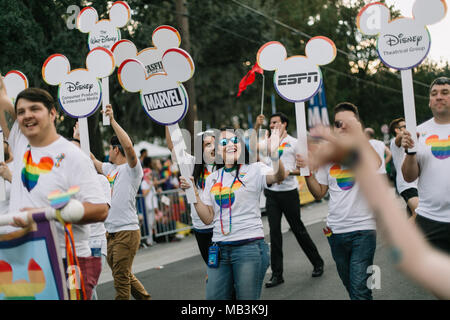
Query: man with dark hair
[[284, 198], [46, 162], [431, 164], [123, 236], [408, 190], [142, 155], [351, 225]]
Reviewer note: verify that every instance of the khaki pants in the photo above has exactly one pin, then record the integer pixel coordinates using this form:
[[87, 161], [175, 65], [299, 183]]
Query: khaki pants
[[122, 247]]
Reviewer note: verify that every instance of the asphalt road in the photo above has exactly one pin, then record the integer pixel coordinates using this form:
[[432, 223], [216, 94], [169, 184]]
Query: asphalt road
[[175, 271]]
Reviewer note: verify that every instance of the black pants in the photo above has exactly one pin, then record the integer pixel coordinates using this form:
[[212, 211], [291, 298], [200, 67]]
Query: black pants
[[204, 241], [287, 202], [437, 233]]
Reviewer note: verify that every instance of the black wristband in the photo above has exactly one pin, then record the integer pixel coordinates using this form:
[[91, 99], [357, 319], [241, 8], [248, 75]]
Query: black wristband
[[410, 153]]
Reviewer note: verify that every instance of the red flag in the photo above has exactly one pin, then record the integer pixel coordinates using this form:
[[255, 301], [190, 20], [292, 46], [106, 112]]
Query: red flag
[[249, 78]]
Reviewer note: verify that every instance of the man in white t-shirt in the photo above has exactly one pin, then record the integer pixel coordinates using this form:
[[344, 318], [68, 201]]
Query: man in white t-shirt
[[408, 190], [45, 162], [124, 174], [284, 198], [380, 148], [431, 164], [351, 226]]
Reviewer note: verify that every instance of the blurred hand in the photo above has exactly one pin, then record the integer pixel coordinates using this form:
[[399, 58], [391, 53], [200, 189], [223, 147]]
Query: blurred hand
[[109, 112], [273, 142], [184, 184], [5, 172], [259, 120], [407, 141], [4, 99]]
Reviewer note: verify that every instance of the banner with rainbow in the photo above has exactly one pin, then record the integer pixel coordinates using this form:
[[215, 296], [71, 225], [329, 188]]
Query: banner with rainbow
[[30, 263]]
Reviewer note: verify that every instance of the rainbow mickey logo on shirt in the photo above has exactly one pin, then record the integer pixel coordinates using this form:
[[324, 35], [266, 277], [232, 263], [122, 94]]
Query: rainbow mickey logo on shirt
[[31, 171], [227, 199], [344, 177], [439, 148], [282, 147]]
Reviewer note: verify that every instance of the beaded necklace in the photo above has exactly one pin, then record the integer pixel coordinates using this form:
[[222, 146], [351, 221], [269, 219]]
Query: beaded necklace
[[229, 200]]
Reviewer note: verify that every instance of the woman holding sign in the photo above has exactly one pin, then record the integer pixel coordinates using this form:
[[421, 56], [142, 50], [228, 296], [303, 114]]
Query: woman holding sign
[[239, 257], [200, 170]]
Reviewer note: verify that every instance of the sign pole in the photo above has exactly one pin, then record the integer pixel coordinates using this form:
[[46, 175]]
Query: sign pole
[[302, 145], [84, 135], [409, 105], [180, 147], [105, 100]]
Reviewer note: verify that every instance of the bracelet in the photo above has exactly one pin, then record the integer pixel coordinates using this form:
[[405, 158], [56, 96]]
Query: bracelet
[[410, 153]]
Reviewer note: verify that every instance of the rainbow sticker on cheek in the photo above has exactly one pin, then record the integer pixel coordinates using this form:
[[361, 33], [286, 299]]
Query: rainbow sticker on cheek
[[439, 148], [227, 199], [344, 178], [32, 171], [282, 147]]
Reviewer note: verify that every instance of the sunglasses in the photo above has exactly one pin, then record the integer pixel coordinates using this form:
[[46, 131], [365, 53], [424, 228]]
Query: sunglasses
[[338, 124], [402, 127], [223, 142]]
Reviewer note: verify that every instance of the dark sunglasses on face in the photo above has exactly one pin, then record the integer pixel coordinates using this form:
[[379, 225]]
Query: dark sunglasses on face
[[223, 142], [338, 124], [402, 127]]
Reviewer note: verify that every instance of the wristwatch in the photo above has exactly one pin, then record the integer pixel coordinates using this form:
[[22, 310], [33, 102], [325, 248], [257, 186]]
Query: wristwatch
[[410, 153]]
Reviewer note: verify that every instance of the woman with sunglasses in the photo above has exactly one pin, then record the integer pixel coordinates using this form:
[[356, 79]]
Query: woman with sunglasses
[[200, 170], [239, 257]]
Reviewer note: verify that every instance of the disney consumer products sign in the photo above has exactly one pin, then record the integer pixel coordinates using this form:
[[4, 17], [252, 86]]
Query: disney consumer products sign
[[79, 90]]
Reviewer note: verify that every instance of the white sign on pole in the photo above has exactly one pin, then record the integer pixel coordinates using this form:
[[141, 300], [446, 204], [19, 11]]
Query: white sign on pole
[[402, 44], [104, 33], [163, 96], [14, 81], [163, 38], [80, 90], [298, 78]]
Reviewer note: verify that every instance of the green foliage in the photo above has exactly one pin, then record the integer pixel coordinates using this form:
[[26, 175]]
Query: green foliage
[[225, 37]]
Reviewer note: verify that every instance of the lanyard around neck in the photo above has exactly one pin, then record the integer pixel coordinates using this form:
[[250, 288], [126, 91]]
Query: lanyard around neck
[[229, 201]]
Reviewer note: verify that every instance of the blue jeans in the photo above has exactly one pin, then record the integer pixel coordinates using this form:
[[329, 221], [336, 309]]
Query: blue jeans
[[353, 253], [242, 266]]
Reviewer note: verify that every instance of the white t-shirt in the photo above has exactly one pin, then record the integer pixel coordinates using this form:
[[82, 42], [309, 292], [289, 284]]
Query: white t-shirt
[[97, 237], [348, 210], [246, 220], [189, 160], [124, 182], [38, 171], [433, 156], [380, 148], [398, 154], [286, 152], [4, 205], [151, 201]]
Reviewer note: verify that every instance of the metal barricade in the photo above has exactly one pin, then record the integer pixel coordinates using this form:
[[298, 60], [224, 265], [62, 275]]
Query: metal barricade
[[168, 215]]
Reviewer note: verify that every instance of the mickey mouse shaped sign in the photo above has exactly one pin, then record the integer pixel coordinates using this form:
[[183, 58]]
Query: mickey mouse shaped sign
[[298, 78], [163, 95], [402, 43], [79, 92], [104, 33], [163, 38], [14, 82]]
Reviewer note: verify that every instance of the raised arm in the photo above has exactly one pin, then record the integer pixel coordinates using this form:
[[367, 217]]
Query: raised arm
[[123, 137], [6, 105], [317, 190]]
